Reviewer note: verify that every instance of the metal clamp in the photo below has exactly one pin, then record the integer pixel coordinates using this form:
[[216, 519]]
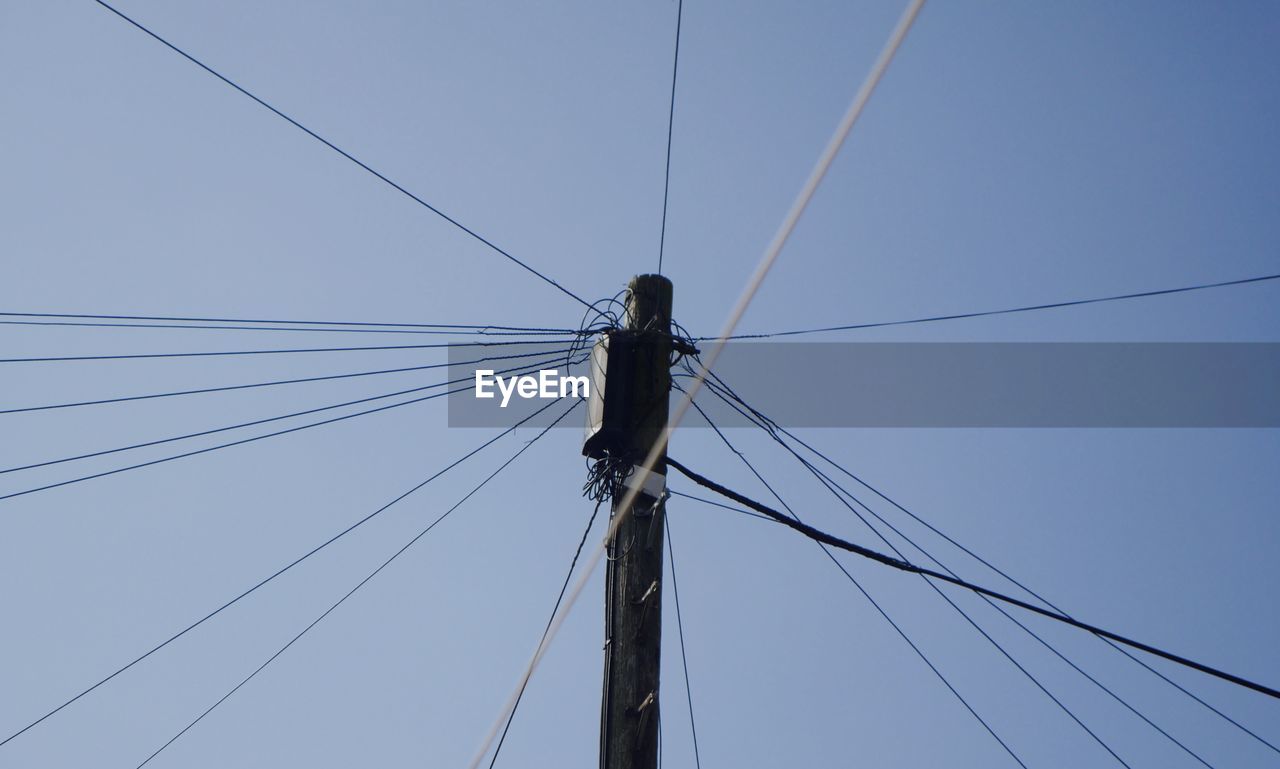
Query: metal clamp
[[644, 600], [643, 711]]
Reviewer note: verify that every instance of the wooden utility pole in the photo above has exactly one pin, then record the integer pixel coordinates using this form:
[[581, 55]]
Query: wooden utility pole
[[633, 578]]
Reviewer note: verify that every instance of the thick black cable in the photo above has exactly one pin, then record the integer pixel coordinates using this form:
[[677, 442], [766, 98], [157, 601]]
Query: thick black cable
[[879, 609], [573, 564], [836, 489], [344, 153], [441, 345], [722, 389], [358, 585], [922, 656], [237, 443], [901, 565], [984, 313], [276, 383], [266, 420], [671, 120], [684, 658], [1048, 603], [776, 431], [982, 631], [1096, 682], [831, 556], [277, 573], [174, 318], [1187, 692], [1013, 619], [997, 607], [1045, 690]]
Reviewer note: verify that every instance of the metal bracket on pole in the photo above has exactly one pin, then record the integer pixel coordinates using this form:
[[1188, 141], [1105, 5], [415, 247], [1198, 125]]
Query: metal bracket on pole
[[655, 521], [645, 603], [643, 711]]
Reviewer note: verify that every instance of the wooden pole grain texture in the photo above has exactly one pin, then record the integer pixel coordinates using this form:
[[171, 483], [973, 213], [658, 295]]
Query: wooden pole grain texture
[[633, 576]]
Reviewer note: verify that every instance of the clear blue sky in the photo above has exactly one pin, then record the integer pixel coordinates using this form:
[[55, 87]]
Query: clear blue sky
[[1016, 153]]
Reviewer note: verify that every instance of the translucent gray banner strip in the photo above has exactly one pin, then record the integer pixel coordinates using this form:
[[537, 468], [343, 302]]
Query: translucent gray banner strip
[[963, 385]]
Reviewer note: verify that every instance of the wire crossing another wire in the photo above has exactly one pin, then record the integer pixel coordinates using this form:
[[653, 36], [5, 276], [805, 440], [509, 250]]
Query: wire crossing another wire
[[968, 706], [726, 394], [833, 541], [273, 575], [573, 564], [361, 584]]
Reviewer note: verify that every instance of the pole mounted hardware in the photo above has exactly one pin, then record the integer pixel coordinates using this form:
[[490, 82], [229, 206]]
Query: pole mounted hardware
[[628, 411]]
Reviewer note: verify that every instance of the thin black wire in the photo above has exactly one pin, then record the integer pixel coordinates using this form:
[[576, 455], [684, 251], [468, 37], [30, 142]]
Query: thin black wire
[[277, 573], [771, 426], [879, 609], [235, 443], [922, 656], [915, 569], [722, 389], [1048, 603], [441, 345], [436, 332], [1031, 677], [344, 154], [275, 383], [836, 489], [457, 326], [1050, 306], [713, 503], [1094, 681], [559, 598], [256, 422], [359, 585], [799, 525], [1190, 694], [833, 486], [684, 659], [375, 326], [1002, 611], [595, 318], [671, 119]]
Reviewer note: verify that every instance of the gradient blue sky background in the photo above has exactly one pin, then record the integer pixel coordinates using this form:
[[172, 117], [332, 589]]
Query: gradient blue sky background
[[1016, 153]]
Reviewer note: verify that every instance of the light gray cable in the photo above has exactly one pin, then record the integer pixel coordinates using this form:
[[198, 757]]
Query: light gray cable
[[753, 285]]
